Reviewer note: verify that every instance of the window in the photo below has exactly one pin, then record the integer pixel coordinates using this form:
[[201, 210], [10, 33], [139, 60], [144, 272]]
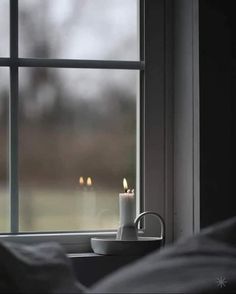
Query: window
[[74, 92], [87, 108], [4, 126]]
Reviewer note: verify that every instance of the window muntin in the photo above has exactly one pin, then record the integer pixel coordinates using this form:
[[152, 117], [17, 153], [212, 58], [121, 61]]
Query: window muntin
[[4, 109], [4, 28], [73, 123], [104, 29]]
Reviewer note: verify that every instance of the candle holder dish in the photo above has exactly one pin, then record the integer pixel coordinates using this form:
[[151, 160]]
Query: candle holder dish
[[132, 246]]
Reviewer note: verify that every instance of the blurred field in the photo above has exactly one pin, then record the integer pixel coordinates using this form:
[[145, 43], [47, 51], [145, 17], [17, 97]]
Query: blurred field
[[47, 210], [51, 160], [62, 135], [50, 164]]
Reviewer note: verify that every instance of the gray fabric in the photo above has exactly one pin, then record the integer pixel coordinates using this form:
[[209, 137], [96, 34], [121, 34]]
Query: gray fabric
[[41, 268], [192, 265]]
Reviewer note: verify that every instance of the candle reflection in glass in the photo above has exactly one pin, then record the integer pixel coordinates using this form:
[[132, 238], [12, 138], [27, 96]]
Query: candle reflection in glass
[[88, 205]]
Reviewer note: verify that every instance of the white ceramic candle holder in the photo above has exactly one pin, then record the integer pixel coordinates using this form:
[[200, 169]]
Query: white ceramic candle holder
[[127, 233], [127, 241]]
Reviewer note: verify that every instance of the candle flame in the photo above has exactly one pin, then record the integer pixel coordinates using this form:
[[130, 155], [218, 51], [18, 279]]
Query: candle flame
[[125, 185], [81, 181], [89, 182]]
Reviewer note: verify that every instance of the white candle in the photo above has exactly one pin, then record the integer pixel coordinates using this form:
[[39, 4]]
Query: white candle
[[127, 206]]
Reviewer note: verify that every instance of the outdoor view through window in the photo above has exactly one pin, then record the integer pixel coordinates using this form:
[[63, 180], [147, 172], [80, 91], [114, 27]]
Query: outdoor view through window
[[77, 127]]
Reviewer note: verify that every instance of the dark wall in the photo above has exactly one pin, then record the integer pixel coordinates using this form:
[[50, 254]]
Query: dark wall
[[217, 110], [90, 268]]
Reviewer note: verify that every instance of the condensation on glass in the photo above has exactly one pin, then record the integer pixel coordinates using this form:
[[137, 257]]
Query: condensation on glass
[[102, 29], [4, 192], [77, 140], [4, 28]]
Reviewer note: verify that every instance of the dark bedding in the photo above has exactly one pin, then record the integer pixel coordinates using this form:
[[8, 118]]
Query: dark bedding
[[204, 263], [42, 268]]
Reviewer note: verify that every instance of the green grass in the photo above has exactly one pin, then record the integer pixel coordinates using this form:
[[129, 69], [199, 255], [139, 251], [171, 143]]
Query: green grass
[[47, 210]]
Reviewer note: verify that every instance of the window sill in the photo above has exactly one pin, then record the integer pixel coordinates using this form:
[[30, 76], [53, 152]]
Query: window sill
[[72, 242]]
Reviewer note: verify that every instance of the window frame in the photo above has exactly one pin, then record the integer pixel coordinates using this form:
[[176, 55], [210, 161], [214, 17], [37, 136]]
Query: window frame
[[186, 123], [69, 239], [159, 163]]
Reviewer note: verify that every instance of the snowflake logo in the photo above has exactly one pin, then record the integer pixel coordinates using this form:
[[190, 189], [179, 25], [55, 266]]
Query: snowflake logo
[[221, 282]]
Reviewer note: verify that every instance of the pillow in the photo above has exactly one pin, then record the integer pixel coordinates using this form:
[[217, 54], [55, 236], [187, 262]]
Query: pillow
[[204, 263], [39, 268]]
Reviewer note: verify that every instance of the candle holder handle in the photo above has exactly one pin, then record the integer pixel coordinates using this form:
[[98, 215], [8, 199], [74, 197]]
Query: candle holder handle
[[162, 223]]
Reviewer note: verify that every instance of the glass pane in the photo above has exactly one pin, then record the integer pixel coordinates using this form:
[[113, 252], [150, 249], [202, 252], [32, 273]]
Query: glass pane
[[75, 124], [4, 195], [4, 28], [84, 29]]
